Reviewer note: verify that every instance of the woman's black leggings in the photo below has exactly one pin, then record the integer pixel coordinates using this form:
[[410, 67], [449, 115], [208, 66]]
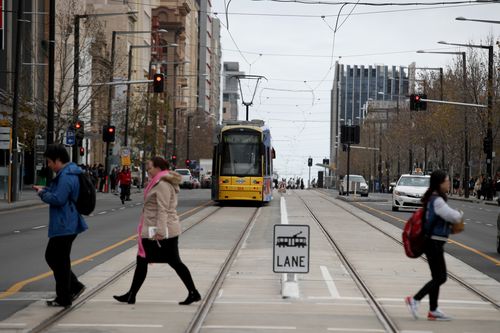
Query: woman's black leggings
[[434, 250], [174, 260]]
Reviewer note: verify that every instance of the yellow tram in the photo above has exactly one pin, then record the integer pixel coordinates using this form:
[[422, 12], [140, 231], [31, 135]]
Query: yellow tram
[[243, 162]]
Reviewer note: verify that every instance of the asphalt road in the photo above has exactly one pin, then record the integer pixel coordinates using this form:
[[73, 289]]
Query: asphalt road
[[475, 246], [23, 238]]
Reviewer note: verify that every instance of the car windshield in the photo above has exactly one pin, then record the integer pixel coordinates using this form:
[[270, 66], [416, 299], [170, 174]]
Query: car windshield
[[183, 172], [414, 181], [357, 179]]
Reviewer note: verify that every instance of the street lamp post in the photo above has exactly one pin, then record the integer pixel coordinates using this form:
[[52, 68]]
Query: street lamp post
[[76, 64], [489, 135], [111, 79], [466, 134], [129, 78]]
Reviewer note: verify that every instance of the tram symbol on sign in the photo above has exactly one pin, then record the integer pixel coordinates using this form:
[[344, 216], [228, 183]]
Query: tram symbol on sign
[[292, 241]]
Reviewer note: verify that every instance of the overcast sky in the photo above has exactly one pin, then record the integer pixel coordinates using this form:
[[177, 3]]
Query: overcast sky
[[292, 46]]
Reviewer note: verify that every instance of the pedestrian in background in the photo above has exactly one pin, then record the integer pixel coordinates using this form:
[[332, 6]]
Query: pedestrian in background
[[125, 181], [438, 219], [159, 230], [65, 223]]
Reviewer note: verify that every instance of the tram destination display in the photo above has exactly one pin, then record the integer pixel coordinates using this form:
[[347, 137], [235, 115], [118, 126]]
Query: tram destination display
[[291, 248]]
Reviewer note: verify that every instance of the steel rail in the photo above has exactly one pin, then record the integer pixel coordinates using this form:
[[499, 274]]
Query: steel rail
[[209, 299], [454, 277], [379, 310], [50, 321]]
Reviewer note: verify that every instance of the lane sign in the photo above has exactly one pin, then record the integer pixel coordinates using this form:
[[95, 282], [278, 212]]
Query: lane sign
[[291, 248]]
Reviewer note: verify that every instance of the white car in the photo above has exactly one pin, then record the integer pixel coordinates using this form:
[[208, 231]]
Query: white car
[[187, 178], [409, 191], [356, 183]]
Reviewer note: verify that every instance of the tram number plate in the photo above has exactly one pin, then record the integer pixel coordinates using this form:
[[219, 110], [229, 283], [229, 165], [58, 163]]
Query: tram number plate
[[240, 188]]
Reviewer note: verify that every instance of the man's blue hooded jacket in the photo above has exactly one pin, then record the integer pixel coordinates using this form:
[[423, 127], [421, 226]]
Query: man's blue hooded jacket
[[61, 195]]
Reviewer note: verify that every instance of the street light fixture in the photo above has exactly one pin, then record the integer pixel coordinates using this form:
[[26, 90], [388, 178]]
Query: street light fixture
[[489, 135], [461, 18], [466, 138]]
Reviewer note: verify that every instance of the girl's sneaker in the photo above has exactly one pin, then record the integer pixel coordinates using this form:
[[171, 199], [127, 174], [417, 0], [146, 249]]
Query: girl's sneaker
[[438, 315], [412, 305]]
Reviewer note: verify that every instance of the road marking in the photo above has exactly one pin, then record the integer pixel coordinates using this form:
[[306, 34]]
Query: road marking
[[21, 284], [102, 213], [329, 282], [17, 231], [234, 327], [112, 325], [39, 227], [12, 325], [489, 225], [451, 241], [343, 329]]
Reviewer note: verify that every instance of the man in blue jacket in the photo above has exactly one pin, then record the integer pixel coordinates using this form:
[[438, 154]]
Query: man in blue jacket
[[65, 223]]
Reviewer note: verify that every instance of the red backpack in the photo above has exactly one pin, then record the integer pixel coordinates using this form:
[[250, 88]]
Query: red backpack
[[414, 235]]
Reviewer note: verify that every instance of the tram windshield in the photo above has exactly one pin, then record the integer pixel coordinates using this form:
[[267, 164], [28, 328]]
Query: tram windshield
[[241, 154]]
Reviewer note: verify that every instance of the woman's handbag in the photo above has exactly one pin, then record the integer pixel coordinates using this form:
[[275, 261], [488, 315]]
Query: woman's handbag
[[156, 250], [457, 228]]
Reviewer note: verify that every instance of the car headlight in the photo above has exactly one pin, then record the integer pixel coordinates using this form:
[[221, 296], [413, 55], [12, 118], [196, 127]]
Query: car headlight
[[399, 193]]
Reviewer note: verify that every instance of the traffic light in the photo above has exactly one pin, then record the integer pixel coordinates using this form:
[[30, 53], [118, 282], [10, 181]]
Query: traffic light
[[417, 103], [326, 161], [173, 160], [487, 145], [309, 161], [82, 151], [188, 163], [108, 133], [79, 132], [158, 83]]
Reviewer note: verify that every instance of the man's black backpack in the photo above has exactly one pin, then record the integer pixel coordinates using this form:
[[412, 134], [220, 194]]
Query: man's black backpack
[[85, 204]]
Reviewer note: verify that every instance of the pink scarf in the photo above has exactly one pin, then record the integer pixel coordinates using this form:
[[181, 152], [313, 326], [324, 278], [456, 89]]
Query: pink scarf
[[151, 184]]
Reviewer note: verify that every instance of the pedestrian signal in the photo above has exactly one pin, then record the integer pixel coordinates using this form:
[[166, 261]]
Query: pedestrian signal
[[188, 163], [309, 161], [82, 151]]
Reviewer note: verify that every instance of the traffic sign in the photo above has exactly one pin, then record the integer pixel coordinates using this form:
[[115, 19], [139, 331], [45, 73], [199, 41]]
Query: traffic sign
[[70, 137], [5, 137], [291, 248]]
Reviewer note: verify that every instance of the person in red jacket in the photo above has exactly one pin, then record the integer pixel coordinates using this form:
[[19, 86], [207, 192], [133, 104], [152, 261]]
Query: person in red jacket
[[125, 181]]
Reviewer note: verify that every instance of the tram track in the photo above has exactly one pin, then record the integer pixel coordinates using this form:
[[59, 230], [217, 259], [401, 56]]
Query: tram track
[[206, 304], [377, 308], [452, 276], [58, 316]]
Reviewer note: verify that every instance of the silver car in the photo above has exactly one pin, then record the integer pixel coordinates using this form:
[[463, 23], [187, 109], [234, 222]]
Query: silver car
[[356, 184], [409, 191]]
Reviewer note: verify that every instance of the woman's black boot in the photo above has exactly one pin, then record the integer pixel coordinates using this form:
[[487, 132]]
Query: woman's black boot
[[126, 298], [193, 296]]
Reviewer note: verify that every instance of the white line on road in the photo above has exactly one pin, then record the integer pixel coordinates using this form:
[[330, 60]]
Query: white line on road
[[343, 329], [112, 325], [12, 325], [39, 227], [329, 282], [234, 327], [489, 225], [17, 231], [101, 213]]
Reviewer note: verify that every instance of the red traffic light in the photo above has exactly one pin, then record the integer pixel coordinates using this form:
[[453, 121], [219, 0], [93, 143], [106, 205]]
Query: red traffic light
[[417, 98], [78, 125], [158, 78], [188, 162], [111, 129], [174, 157], [82, 151]]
